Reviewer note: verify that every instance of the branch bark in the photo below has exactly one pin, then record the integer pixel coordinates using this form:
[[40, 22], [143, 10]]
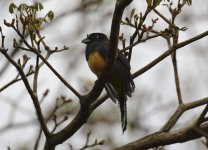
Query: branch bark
[[164, 138]]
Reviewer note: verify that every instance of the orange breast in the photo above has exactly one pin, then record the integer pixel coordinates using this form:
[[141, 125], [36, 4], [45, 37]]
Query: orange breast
[[96, 63]]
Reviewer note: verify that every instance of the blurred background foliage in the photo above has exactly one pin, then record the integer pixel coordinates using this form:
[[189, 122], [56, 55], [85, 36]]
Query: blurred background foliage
[[152, 103]]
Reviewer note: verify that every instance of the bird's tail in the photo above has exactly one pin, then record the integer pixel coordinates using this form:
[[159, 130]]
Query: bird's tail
[[121, 85], [123, 110], [122, 67]]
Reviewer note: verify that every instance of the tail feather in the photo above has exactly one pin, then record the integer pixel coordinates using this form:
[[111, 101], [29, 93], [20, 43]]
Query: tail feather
[[123, 111], [122, 67], [121, 86], [111, 92]]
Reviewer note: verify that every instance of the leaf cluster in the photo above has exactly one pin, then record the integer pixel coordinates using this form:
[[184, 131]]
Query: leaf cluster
[[28, 15]]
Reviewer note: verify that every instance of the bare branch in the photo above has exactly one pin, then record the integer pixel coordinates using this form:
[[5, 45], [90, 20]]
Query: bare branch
[[168, 52], [34, 97], [164, 138], [201, 118], [30, 72], [173, 119]]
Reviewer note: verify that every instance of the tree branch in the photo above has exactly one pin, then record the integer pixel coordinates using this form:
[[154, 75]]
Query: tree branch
[[45, 61], [32, 95], [30, 72], [168, 52], [164, 138]]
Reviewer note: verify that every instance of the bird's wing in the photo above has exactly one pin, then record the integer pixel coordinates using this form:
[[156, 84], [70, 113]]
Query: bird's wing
[[122, 66]]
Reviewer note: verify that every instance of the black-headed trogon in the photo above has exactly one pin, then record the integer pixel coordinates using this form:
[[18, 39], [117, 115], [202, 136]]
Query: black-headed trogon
[[120, 82]]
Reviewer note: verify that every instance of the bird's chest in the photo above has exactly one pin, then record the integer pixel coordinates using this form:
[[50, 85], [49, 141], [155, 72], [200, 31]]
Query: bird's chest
[[96, 63]]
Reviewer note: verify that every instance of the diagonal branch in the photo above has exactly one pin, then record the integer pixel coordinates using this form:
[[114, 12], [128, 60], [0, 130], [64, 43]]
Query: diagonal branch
[[201, 118], [177, 81], [200, 131], [32, 95], [173, 119], [175, 66], [168, 52], [30, 72], [164, 138]]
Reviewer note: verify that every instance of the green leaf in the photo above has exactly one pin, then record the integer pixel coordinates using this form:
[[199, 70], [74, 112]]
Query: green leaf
[[183, 28], [121, 37], [12, 6], [50, 15], [132, 13], [38, 6], [22, 7], [188, 2], [136, 17]]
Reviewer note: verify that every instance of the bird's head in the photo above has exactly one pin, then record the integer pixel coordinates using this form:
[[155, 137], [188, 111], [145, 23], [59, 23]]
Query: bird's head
[[94, 37]]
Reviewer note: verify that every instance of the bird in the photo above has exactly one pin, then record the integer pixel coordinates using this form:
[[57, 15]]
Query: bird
[[120, 82]]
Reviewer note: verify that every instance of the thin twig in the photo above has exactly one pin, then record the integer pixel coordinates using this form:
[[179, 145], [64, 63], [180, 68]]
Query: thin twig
[[132, 38], [139, 41], [35, 80], [180, 110], [168, 52], [27, 75], [175, 68], [37, 141], [175, 32], [47, 63], [173, 119], [34, 97], [202, 116], [177, 81], [163, 17], [200, 131]]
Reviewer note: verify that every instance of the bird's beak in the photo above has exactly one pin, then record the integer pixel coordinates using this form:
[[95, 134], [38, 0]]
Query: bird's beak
[[86, 41]]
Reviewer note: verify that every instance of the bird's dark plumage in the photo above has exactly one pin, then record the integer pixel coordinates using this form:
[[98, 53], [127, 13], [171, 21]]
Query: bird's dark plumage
[[120, 83]]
